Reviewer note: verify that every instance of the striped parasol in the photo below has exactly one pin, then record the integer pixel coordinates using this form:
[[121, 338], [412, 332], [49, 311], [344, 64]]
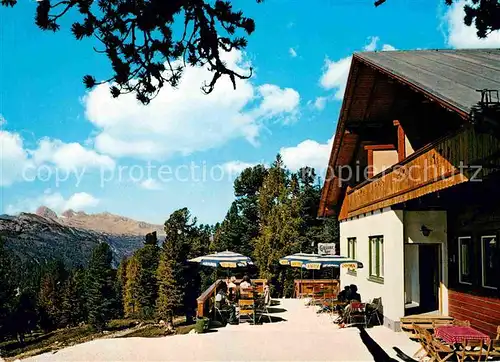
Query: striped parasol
[[298, 260], [224, 259], [332, 261]]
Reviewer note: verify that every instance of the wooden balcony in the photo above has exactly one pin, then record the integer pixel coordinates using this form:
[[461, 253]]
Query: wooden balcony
[[460, 157]]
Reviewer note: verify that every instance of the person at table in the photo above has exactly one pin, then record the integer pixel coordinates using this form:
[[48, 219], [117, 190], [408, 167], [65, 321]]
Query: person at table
[[223, 304], [353, 295], [342, 297], [245, 284], [231, 284]]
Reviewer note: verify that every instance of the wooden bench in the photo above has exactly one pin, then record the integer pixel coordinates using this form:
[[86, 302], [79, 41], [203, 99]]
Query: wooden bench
[[427, 322]]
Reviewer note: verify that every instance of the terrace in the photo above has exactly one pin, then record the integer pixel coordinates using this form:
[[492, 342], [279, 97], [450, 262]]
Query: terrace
[[301, 335]]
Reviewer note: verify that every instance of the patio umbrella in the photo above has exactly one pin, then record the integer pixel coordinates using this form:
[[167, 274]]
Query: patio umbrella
[[298, 260], [332, 261], [224, 259]]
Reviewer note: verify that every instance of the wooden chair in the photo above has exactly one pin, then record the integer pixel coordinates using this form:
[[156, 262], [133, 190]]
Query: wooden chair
[[442, 352], [476, 350], [442, 323], [424, 346], [247, 293], [247, 309], [495, 349], [457, 322]]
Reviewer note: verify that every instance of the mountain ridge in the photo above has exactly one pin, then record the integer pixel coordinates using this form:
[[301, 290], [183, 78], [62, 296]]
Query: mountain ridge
[[44, 235]]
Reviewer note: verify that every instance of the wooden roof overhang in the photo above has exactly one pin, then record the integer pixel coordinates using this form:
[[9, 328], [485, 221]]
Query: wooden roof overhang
[[373, 96]]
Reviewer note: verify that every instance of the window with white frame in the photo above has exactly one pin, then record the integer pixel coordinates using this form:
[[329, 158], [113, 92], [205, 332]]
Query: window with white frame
[[489, 258], [376, 246], [351, 248], [351, 253], [465, 260]]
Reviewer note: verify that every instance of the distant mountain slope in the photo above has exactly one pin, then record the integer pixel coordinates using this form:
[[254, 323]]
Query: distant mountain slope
[[71, 237]]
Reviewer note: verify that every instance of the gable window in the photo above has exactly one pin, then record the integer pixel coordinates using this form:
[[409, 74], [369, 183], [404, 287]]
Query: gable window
[[376, 246], [489, 257], [465, 260], [351, 253]]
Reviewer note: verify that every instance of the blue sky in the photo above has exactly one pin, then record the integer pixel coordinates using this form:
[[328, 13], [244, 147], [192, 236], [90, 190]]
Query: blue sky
[[300, 52]]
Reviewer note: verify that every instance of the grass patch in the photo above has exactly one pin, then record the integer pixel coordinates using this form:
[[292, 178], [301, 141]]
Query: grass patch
[[149, 331], [40, 343]]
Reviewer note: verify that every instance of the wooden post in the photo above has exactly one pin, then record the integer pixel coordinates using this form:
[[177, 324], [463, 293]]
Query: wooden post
[[401, 141]]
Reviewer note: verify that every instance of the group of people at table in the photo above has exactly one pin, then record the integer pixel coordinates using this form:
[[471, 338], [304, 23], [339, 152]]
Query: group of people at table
[[229, 294]]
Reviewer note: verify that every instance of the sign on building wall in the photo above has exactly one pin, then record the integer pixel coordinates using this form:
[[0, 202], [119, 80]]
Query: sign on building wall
[[326, 248]]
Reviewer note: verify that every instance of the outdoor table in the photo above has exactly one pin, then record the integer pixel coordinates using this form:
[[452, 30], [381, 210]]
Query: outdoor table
[[459, 335]]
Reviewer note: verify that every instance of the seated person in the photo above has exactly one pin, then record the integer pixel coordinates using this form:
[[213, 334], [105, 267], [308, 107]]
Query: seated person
[[223, 304], [353, 295], [231, 285], [342, 297], [245, 284]]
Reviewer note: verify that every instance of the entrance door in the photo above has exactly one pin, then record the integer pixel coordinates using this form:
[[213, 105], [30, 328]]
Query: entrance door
[[429, 257]]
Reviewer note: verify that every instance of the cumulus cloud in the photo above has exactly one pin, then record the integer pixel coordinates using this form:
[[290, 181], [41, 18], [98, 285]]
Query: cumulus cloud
[[459, 35], [388, 48], [184, 120], [69, 156], [292, 52], [80, 201], [13, 157], [151, 184], [320, 103], [18, 162], [307, 153], [336, 72], [236, 167]]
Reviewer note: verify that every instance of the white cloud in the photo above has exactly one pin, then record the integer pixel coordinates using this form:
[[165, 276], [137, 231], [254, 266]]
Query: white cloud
[[16, 159], [388, 48], [336, 72], [79, 201], [13, 157], [151, 184], [372, 45], [335, 76], [236, 167], [307, 153], [183, 120], [292, 52], [3, 121], [320, 103], [69, 156], [278, 102], [459, 35]]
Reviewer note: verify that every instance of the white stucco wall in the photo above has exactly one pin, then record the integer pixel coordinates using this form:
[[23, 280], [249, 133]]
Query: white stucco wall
[[383, 159], [388, 223], [436, 222]]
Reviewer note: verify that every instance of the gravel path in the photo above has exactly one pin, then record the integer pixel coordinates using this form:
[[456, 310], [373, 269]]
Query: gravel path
[[303, 336]]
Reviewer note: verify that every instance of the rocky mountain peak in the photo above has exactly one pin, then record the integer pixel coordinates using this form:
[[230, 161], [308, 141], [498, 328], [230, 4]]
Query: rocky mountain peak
[[68, 213], [44, 211]]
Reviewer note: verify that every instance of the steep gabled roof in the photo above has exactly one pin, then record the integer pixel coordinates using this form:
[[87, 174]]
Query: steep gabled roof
[[452, 76], [448, 77]]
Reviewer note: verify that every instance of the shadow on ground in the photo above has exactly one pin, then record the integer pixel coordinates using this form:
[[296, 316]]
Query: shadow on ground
[[378, 353], [276, 310]]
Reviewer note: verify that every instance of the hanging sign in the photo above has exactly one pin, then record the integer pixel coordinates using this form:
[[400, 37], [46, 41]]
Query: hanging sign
[[313, 266], [326, 248], [296, 264]]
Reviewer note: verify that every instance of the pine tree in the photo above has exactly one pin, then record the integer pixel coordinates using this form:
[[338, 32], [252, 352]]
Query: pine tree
[[281, 225], [172, 268], [121, 281], [100, 287], [73, 303], [130, 292], [6, 290], [50, 295]]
